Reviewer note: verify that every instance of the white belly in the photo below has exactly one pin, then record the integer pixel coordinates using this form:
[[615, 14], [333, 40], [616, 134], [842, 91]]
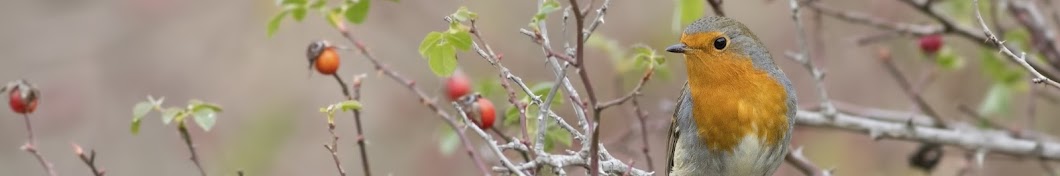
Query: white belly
[[749, 158]]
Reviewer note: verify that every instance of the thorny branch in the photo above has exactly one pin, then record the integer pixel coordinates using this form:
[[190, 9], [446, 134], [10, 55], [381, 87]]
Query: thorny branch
[[803, 57], [424, 99], [489, 140], [948, 25], [487, 53], [885, 57], [1021, 59], [795, 157]]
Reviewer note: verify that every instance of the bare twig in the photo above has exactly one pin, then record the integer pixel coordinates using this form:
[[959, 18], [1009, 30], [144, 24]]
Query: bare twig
[[579, 19], [487, 53], [1021, 59], [643, 117], [795, 158], [89, 160], [631, 94], [861, 18], [948, 25], [333, 149], [1042, 36], [357, 81], [183, 129], [31, 147], [803, 57], [424, 99], [888, 63]]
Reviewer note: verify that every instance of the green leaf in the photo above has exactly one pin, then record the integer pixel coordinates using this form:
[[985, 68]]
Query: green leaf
[[196, 105], [298, 13], [141, 109], [461, 39], [644, 55], [438, 48], [685, 12], [170, 113], [349, 105], [442, 61], [997, 101], [274, 24], [949, 60], [430, 41], [462, 14], [334, 17], [134, 128], [205, 117], [542, 12], [542, 89], [358, 11], [449, 141]]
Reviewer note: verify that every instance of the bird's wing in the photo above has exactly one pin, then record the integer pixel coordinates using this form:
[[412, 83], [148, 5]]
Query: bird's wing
[[674, 132]]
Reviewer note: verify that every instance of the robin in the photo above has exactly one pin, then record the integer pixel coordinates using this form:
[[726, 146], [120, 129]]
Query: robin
[[735, 113]]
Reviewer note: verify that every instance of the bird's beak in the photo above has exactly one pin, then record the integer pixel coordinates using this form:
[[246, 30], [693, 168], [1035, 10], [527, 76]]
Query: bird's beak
[[677, 48]]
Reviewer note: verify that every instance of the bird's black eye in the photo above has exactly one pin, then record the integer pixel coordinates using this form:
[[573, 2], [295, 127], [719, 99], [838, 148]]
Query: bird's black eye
[[720, 43]]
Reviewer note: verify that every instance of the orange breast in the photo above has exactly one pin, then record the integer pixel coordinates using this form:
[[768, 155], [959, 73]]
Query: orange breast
[[732, 99]]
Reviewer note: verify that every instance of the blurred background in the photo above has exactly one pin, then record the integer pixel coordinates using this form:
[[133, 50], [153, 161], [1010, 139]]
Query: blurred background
[[93, 60]]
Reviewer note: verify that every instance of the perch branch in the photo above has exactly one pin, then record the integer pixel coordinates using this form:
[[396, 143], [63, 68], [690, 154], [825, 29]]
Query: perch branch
[[795, 158]]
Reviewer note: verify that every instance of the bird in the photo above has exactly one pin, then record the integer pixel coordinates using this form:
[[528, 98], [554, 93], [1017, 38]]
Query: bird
[[734, 116]]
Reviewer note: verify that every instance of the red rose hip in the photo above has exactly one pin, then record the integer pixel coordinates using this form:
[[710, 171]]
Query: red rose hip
[[487, 114], [931, 44], [21, 105], [457, 86]]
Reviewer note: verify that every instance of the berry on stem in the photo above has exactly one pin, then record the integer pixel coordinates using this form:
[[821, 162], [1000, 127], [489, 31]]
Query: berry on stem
[[323, 56], [22, 103], [487, 113], [457, 86], [931, 44]]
